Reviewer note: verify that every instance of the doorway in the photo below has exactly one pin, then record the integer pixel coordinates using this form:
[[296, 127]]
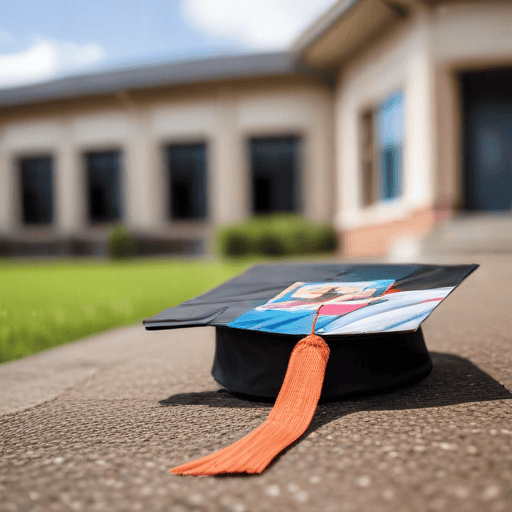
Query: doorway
[[487, 139]]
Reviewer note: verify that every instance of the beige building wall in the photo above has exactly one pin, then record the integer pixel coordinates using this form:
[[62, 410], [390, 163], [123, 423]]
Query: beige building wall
[[99, 129], [306, 112], [26, 138], [182, 119], [226, 117], [141, 124], [401, 61]]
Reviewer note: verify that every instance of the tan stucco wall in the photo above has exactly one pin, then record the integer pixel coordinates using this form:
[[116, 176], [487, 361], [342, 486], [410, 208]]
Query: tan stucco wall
[[141, 124], [401, 61]]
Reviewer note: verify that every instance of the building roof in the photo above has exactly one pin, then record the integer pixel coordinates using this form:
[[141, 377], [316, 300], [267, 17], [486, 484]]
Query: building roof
[[157, 75], [346, 27], [182, 72], [320, 25]]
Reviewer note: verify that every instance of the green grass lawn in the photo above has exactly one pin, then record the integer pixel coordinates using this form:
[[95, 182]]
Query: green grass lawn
[[46, 304]]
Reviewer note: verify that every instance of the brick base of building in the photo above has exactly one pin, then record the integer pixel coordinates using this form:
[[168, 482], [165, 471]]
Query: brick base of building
[[377, 239]]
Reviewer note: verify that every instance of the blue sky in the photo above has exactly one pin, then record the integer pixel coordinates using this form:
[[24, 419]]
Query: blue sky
[[42, 39]]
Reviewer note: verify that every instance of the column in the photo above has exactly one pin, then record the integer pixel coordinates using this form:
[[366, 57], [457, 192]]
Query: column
[[70, 195], [141, 183], [7, 190], [228, 180]]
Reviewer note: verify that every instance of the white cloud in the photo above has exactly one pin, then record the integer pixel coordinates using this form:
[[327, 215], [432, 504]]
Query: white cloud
[[258, 24], [46, 59]]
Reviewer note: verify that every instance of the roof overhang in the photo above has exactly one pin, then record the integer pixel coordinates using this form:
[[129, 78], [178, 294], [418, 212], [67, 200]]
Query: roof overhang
[[346, 27]]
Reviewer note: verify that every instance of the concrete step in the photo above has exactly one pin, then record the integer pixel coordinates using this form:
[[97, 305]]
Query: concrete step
[[470, 233]]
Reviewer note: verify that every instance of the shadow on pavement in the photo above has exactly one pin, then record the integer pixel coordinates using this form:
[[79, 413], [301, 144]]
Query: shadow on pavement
[[454, 380]]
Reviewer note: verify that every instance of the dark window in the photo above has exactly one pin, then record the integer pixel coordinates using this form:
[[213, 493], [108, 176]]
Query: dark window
[[104, 186], [275, 174], [390, 139], [187, 183], [37, 190]]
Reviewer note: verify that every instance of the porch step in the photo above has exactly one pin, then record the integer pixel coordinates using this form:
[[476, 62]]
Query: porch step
[[471, 233]]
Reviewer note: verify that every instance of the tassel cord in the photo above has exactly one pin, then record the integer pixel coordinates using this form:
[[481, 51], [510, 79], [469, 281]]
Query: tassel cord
[[290, 417]]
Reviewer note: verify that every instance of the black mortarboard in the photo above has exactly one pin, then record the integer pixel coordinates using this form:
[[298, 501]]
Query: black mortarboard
[[369, 317]]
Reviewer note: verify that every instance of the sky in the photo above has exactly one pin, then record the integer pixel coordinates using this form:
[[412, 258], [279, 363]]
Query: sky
[[44, 39]]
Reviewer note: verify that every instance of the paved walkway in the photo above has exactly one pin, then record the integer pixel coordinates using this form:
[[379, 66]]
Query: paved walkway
[[81, 426]]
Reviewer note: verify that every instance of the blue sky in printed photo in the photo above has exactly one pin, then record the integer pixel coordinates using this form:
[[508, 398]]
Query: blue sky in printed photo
[[44, 39]]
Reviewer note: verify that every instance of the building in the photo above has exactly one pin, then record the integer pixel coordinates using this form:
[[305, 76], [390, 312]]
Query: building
[[171, 151], [378, 115]]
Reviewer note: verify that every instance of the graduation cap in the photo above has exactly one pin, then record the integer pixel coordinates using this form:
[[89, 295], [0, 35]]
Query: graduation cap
[[305, 332]]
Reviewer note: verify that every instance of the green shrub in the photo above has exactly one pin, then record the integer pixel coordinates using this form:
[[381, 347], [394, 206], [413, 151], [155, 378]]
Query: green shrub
[[325, 239], [121, 243], [275, 235], [234, 243], [271, 244]]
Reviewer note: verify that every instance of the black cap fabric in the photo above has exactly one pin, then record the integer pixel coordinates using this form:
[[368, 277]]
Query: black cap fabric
[[358, 299], [370, 319]]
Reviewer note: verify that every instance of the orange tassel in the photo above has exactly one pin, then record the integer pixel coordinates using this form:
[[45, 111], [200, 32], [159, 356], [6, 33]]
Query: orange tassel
[[292, 413]]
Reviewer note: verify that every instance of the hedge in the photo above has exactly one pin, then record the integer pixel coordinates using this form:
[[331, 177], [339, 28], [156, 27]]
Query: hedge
[[275, 235]]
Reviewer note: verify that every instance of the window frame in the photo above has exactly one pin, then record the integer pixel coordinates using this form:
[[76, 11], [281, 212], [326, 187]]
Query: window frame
[[369, 171], [372, 152]]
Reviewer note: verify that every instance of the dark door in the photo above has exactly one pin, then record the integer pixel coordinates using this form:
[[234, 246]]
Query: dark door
[[489, 165], [488, 140]]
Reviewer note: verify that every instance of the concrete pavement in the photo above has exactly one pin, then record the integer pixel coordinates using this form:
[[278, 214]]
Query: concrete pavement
[[82, 427]]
